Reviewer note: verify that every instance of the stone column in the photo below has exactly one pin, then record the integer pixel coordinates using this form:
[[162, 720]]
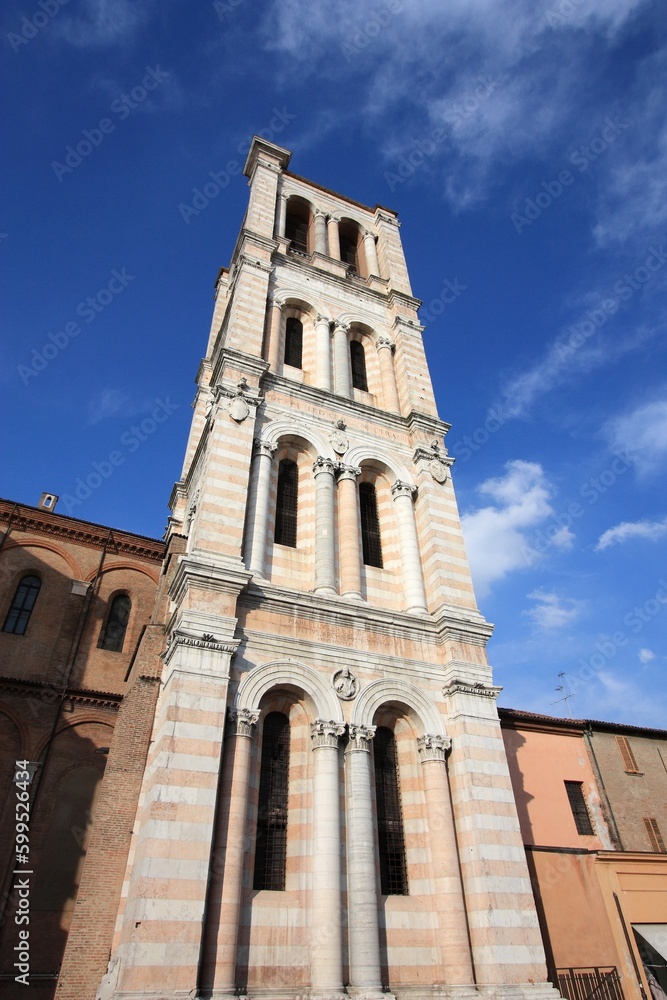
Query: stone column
[[370, 251], [281, 215], [456, 966], [323, 352], [413, 580], [385, 348], [275, 324], [320, 232], [229, 856], [342, 372], [326, 941], [348, 532], [258, 508], [334, 237], [325, 569], [364, 947]]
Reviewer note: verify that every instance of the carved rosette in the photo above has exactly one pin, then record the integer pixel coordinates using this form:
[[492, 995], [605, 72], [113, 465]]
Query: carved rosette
[[326, 734], [242, 722], [360, 737], [431, 747]]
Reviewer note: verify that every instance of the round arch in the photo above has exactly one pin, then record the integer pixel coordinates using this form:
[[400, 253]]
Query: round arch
[[380, 692], [278, 429], [371, 453], [50, 547], [112, 567], [262, 679]]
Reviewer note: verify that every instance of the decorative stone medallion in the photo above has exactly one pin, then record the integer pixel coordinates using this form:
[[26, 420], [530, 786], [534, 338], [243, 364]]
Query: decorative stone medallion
[[338, 440], [438, 470], [345, 684], [238, 409]]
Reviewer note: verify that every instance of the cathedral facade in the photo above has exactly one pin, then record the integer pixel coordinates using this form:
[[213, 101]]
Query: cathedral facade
[[326, 807]]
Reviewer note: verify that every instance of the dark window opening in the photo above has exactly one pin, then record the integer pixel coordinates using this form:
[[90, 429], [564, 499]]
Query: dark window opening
[[286, 503], [348, 251], [22, 606], [370, 526], [271, 846], [113, 635], [582, 821], [296, 231], [358, 361], [293, 342], [393, 866]]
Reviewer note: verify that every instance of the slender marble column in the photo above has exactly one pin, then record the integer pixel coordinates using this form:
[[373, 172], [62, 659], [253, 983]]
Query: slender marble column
[[325, 569], [258, 507], [320, 233], [326, 942], [334, 237], [413, 580], [242, 726], [323, 352], [385, 348], [281, 215], [343, 375], [349, 544], [370, 251], [275, 323], [364, 937], [456, 965]]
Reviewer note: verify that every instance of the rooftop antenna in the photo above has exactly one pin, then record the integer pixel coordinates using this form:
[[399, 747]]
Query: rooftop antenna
[[566, 696]]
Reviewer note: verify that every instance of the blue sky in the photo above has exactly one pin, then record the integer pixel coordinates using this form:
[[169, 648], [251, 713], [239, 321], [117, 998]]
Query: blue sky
[[524, 146]]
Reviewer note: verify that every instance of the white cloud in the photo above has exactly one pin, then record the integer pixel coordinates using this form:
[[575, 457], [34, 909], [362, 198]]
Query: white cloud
[[99, 23], [114, 402], [646, 655], [642, 434], [651, 530], [552, 612], [497, 535]]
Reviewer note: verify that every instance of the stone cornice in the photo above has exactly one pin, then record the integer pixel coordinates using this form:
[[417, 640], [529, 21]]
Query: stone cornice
[[337, 404], [245, 362], [478, 690], [220, 576], [303, 265], [43, 522], [100, 699], [427, 424]]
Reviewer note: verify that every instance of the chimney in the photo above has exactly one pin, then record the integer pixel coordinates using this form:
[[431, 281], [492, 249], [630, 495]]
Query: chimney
[[47, 501]]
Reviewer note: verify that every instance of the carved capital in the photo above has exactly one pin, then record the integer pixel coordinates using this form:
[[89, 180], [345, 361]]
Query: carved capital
[[360, 738], [326, 734], [432, 747], [368, 235], [323, 319], [401, 489], [347, 472], [339, 324], [264, 448], [242, 722], [382, 342], [322, 464]]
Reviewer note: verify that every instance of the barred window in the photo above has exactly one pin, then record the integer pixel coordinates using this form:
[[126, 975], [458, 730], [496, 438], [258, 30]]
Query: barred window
[[296, 227], [582, 820], [349, 239], [370, 526], [22, 606], [293, 342], [358, 361], [271, 845], [113, 633], [287, 503], [393, 866]]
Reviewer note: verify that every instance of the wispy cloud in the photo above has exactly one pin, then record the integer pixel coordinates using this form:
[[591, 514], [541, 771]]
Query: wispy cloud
[[102, 23], [642, 434], [646, 655], [111, 403], [623, 532], [552, 612]]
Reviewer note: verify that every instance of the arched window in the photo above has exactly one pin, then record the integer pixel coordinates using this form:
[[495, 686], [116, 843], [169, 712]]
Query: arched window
[[287, 503], [349, 240], [393, 867], [21, 608], [293, 342], [271, 846], [370, 525], [296, 224], [113, 633], [358, 362]]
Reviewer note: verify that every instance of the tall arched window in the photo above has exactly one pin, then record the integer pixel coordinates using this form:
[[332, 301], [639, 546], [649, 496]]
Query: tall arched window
[[358, 362], [393, 867], [271, 845], [286, 503], [349, 240], [22, 606], [113, 633], [293, 342], [370, 525], [296, 224]]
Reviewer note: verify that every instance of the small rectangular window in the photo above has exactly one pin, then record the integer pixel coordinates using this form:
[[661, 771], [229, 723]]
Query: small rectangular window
[[654, 835], [629, 762], [575, 793]]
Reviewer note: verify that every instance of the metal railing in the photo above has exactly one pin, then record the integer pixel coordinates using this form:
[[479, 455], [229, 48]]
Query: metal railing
[[590, 984]]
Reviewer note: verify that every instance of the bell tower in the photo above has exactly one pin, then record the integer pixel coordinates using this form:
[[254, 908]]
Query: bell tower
[[326, 808]]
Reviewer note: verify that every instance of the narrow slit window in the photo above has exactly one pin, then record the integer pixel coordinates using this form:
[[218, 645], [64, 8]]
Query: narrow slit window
[[370, 526], [287, 503], [654, 835], [358, 362], [625, 750], [391, 841], [113, 633], [22, 606], [293, 342], [271, 845], [582, 820]]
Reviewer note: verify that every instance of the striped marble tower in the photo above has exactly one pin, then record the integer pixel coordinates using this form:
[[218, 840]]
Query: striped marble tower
[[326, 809]]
